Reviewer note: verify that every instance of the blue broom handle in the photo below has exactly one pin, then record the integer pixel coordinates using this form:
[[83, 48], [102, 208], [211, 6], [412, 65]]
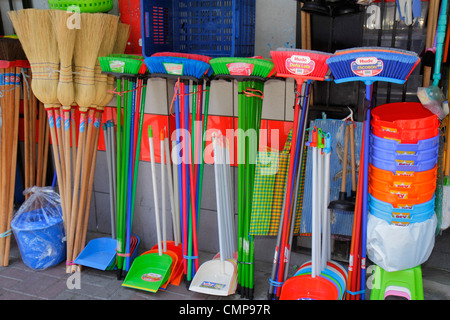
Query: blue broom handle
[[365, 188], [440, 36]]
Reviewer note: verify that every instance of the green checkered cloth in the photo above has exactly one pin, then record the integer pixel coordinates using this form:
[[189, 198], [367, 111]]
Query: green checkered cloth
[[269, 190], [265, 173]]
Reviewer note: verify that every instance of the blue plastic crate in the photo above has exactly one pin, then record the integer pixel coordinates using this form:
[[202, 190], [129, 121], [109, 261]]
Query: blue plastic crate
[[215, 28]]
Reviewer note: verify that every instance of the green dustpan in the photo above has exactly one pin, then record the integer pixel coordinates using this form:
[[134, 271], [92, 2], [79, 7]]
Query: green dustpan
[[148, 272]]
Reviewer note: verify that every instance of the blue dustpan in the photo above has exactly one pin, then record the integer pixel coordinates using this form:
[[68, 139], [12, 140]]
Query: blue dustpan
[[98, 254]]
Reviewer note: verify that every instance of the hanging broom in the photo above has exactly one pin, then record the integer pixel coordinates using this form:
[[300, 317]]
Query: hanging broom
[[250, 74], [186, 69], [10, 86], [65, 91], [102, 98], [301, 65], [87, 45], [369, 64]]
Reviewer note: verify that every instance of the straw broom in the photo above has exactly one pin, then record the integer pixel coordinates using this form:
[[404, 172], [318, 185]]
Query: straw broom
[[33, 28], [15, 103], [65, 91], [101, 99], [87, 45]]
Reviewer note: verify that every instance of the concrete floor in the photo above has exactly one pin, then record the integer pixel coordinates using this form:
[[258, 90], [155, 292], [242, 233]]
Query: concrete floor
[[18, 282]]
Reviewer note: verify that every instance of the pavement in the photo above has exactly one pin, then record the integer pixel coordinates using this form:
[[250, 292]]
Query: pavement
[[19, 282]]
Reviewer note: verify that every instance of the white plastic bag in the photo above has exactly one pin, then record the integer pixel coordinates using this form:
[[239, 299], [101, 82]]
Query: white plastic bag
[[395, 248], [38, 228]]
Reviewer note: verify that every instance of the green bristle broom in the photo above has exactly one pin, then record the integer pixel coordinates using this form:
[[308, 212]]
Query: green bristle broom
[[250, 74], [126, 71], [368, 64]]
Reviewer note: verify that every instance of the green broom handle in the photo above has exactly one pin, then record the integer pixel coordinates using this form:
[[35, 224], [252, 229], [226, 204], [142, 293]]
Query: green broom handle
[[241, 177], [119, 176]]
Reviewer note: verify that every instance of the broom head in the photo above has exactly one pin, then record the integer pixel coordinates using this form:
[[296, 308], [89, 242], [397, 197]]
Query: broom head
[[179, 67], [120, 66], [298, 63], [242, 67], [369, 64]]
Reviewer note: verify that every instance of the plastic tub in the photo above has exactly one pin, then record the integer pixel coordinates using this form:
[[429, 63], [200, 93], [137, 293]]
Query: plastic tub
[[415, 156], [402, 179], [403, 189], [392, 145], [389, 208], [40, 238], [401, 218], [406, 136], [399, 116], [397, 201], [403, 165]]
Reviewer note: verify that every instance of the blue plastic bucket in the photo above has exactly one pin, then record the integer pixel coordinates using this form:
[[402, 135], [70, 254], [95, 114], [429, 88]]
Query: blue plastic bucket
[[415, 156], [403, 165], [40, 237], [393, 145], [385, 211]]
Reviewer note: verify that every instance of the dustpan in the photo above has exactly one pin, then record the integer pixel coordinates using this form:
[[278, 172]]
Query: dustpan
[[149, 272], [177, 270], [98, 254], [173, 268], [215, 277]]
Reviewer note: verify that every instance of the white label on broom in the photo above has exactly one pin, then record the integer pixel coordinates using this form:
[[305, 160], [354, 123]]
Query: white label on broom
[[174, 68], [117, 66], [240, 68], [300, 65], [367, 66]]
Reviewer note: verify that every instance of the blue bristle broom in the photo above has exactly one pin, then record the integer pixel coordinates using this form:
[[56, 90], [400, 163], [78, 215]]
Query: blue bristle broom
[[369, 64], [177, 66]]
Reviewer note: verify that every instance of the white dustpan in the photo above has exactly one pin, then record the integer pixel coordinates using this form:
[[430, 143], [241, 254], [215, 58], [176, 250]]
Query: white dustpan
[[219, 276], [214, 277]]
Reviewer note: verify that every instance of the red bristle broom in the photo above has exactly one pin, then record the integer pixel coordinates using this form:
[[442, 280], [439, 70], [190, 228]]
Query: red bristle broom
[[369, 64], [301, 65]]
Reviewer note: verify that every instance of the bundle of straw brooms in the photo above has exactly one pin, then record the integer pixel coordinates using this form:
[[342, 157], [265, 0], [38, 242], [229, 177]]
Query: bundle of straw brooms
[[11, 56], [66, 75]]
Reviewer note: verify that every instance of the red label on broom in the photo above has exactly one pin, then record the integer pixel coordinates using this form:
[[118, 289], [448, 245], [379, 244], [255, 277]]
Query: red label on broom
[[367, 66], [300, 65], [240, 68]]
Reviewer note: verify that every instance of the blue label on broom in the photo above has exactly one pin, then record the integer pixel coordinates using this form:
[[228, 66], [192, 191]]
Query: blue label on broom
[[82, 125], [66, 123], [58, 122], [51, 123], [97, 123], [367, 66]]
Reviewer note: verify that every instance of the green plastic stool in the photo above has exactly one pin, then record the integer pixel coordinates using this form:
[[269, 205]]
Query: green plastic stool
[[404, 283]]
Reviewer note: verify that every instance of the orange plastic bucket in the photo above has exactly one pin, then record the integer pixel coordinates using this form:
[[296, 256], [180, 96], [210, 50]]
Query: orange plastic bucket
[[402, 176], [405, 202], [305, 287], [401, 188], [405, 136], [399, 116]]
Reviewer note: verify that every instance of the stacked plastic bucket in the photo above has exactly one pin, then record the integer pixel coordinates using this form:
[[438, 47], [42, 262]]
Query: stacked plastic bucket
[[401, 222]]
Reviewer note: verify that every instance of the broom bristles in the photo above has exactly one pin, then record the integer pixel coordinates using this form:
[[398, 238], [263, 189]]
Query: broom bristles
[[106, 48], [66, 44], [34, 29], [87, 45], [123, 34]]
